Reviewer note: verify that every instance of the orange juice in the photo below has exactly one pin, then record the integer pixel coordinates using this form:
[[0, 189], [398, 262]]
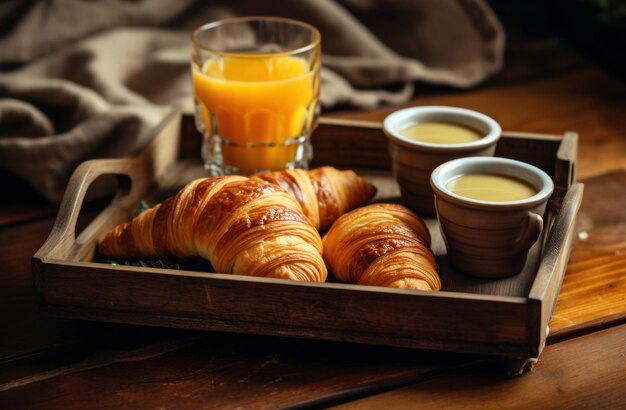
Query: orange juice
[[260, 105]]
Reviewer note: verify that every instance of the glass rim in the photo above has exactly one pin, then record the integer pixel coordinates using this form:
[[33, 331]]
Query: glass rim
[[313, 44]]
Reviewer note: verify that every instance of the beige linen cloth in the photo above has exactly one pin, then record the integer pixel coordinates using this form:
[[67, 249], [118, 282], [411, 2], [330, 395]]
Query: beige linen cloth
[[88, 79]]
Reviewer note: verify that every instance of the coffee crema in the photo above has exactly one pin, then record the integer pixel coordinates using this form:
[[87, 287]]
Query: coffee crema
[[491, 187], [441, 133]]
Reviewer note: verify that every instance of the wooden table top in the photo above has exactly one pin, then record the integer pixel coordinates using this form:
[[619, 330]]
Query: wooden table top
[[50, 363]]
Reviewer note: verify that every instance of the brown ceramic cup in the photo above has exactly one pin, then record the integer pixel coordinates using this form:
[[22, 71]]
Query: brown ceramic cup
[[490, 239], [413, 161]]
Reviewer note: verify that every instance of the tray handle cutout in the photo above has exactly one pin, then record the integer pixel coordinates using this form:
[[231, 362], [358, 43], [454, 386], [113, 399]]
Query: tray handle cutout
[[135, 175], [62, 238]]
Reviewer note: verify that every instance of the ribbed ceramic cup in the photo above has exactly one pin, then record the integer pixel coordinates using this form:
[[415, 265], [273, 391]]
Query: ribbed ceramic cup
[[490, 239], [413, 161]]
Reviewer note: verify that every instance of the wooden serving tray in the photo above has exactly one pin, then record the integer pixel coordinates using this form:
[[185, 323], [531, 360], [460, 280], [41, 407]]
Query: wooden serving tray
[[503, 317]]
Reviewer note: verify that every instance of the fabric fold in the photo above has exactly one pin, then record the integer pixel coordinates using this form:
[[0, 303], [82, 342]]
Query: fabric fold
[[88, 79]]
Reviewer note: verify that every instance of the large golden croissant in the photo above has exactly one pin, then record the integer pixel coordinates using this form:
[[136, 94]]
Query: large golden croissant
[[382, 245], [241, 225], [324, 193]]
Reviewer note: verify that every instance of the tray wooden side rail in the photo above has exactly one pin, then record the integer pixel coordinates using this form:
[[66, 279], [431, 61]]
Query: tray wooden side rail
[[506, 317]]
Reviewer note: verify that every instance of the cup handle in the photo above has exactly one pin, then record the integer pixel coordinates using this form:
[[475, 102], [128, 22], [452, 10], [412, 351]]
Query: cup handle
[[534, 225]]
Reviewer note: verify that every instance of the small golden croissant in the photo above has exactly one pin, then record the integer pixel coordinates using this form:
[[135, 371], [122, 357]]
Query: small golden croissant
[[241, 225], [382, 245]]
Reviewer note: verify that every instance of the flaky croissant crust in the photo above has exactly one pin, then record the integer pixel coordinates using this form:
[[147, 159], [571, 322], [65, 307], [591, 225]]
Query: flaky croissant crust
[[241, 225], [382, 245], [324, 193]]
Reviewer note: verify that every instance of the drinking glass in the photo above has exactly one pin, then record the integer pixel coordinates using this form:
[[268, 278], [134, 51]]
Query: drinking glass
[[256, 93]]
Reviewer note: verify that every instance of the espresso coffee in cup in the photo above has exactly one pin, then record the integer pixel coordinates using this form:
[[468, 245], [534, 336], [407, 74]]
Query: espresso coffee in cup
[[421, 138], [491, 187], [490, 212], [440, 133]]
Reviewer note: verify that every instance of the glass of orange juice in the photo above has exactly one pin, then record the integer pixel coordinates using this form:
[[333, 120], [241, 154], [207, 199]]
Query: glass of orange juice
[[256, 92]]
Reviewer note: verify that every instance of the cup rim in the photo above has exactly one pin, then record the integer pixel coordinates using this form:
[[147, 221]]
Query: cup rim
[[410, 115], [315, 43], [507, 164]]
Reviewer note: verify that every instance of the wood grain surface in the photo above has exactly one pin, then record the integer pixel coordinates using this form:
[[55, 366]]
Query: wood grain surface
[[560, 380], [596, 274], [586, 100], [52, 363]]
